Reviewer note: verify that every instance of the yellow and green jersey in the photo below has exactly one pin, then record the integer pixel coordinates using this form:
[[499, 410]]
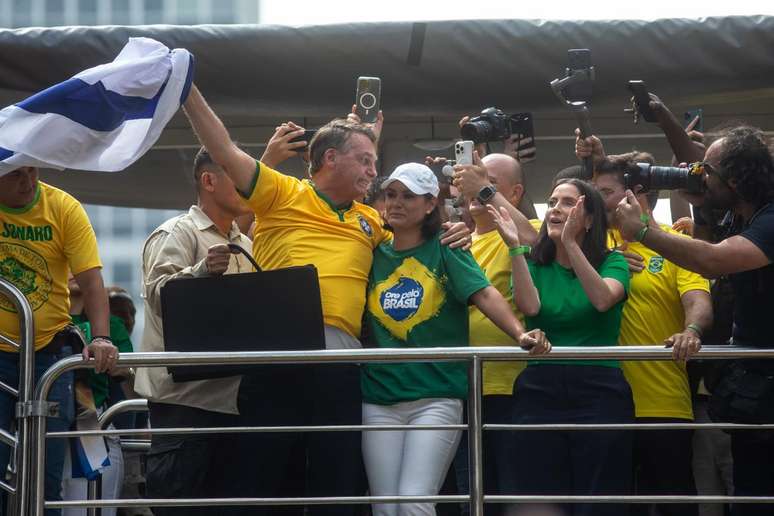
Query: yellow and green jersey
[[418, 298], [654, 312], [491, 254], [39, 245], [297, 225]]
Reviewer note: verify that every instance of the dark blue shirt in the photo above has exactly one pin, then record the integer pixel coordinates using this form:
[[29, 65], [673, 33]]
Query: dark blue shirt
[[754, 289]]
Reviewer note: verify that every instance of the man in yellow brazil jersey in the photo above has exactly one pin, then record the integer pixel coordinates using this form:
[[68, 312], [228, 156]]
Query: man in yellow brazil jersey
[[319, 221], [44, 235], [667, 304]]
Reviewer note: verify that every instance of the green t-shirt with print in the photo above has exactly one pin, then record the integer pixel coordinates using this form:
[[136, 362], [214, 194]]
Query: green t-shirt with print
[[99, 382], [418, 298], [566, 314]]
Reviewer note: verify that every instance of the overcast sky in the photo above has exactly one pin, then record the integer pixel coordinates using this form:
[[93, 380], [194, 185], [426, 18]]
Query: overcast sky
[[285, 12]]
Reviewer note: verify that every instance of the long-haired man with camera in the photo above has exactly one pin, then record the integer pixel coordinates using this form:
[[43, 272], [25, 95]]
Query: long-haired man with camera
[[738, 172]]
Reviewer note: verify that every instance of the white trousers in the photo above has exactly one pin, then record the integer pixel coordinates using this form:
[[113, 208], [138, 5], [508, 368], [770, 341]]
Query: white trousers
[[410, 462], [112, 480]]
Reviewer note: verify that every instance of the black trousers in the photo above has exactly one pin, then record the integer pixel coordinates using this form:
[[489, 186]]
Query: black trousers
[[663, 465], [589, 462], [303, 464], [190, 466], [495, 409], [753, 453]]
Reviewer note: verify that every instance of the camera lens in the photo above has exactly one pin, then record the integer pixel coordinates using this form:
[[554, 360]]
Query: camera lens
[[479, 131], [668, 178]]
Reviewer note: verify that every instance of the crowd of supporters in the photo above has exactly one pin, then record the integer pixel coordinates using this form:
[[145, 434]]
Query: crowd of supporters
[[597, 270]]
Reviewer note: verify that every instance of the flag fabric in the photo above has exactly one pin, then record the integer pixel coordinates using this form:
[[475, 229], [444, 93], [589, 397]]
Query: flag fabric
[[102, 119]]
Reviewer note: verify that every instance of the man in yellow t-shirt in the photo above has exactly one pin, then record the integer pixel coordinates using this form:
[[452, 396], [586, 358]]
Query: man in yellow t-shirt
[[44, 234], [317, 221], [666, 304]]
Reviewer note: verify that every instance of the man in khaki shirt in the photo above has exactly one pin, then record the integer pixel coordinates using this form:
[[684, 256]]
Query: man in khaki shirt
[[191, 245]]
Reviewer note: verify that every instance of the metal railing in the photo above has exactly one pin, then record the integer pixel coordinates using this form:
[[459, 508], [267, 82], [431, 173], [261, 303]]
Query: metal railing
[[25, 407], [32, 410], [474, 355]]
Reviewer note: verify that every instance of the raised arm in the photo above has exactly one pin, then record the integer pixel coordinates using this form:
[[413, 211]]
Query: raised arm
[[525, 295], [213, 135], [732, 255], [470, 179], [603, 293], [684, 148]]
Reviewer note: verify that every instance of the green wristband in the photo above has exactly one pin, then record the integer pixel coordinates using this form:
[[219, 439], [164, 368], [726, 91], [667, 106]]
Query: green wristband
[[695, 328], [520, 250], [644, 218], [640, 236]]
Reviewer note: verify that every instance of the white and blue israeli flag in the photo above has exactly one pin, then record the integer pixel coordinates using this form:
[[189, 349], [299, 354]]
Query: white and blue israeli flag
[[102, 119]]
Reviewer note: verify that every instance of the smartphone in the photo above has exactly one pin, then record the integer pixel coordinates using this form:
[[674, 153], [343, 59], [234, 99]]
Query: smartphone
[[579, 61], [463, 152], [642, 100], [521, 123], [306, 137], [367, 98], [689, 115]]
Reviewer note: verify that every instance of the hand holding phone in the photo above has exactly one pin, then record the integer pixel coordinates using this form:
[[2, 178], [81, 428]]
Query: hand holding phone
[[463, 152], [694, 120], [368, 98], [642, 100], [521, 144], [306, 137]]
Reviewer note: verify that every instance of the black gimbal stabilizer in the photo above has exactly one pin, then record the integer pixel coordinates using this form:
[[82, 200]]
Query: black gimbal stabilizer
[[574, 91]]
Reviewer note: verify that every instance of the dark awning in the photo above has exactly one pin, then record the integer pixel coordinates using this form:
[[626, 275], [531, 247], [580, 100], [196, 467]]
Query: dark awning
[[257, 76]]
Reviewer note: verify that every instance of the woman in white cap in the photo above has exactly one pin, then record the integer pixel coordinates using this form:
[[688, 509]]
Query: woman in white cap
[[418, 296]]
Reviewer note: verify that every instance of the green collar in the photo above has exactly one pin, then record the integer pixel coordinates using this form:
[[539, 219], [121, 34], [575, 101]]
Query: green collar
[[23, 209], [338, 209]]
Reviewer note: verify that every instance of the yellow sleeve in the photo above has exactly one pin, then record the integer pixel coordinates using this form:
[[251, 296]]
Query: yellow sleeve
[[536, 223], [80, 245], [687, 280], [270, 190]]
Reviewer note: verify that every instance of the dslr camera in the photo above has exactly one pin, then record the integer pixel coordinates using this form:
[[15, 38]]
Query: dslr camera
[[492, 125], [650, 177]]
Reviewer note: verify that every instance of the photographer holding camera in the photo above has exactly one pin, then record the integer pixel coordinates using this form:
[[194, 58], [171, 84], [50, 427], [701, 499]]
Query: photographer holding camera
[[738, 176]]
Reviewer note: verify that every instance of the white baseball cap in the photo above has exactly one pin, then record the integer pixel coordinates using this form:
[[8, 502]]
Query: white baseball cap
[[416, 177]]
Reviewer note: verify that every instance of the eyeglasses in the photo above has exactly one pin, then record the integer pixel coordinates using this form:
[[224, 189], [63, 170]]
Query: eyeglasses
[[708, 169]]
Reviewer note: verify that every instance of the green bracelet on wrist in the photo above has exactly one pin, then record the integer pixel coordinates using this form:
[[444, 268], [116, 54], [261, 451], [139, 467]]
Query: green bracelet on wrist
[[695, 328], [640, 236], [520, 250], [644, 218]]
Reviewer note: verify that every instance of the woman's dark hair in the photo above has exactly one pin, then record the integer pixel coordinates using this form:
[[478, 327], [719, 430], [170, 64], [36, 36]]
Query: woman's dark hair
[[594, 244], [746, 158], [431, 224]]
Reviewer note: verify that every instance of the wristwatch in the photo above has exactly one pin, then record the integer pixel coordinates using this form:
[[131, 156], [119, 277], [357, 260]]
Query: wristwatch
[[486, 193]]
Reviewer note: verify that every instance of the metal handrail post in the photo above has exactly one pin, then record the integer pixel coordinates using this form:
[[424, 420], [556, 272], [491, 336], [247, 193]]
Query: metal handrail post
[[26, 392], [94, 487], [476, 470]]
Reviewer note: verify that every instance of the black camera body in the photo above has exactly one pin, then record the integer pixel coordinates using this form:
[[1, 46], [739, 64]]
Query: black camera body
[[650, 177], [492, 125]]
